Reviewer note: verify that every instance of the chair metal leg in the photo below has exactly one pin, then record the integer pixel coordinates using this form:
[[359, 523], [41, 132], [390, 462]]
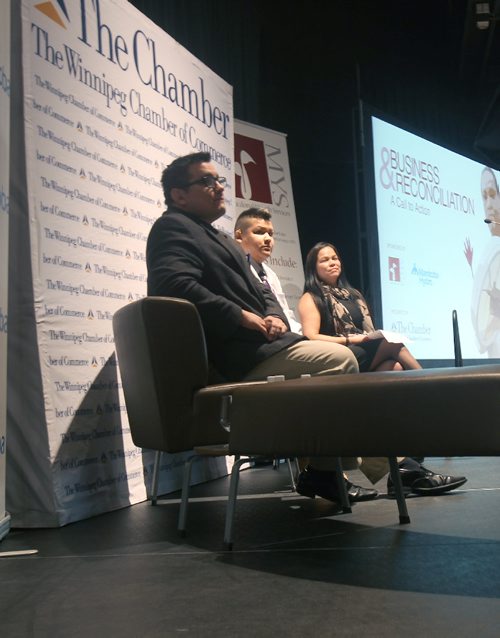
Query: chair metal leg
[[156, 475], [398, 490], [186, 481], [292, 475], [231, 502], [344, 497]]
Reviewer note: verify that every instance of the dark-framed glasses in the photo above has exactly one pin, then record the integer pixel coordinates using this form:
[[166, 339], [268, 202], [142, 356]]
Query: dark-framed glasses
[[207, 180]]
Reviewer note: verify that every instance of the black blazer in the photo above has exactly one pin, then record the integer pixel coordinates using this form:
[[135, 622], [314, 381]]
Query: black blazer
[[191, 259]]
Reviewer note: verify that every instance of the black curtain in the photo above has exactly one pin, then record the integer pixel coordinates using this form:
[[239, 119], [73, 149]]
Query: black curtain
[[301, 68]]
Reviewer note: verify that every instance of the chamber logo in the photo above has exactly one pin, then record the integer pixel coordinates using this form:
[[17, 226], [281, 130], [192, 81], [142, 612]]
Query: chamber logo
[[394, 269], [53, 11], [252, 179]]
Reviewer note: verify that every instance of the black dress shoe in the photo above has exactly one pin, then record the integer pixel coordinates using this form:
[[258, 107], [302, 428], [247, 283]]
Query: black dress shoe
[[313, 483], [357, 493], [424, 482]]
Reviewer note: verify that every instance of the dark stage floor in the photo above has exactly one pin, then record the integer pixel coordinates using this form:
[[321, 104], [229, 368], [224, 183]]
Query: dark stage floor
[[298, 568]]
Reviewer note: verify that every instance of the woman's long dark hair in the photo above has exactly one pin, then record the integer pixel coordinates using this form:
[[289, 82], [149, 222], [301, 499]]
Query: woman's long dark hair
[[313, 283]]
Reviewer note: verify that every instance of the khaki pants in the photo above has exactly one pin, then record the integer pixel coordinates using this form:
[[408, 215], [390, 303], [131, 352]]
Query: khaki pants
[[319, 358]]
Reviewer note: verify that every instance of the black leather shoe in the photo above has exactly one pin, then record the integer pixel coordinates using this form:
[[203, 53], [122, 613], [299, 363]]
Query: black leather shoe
[[313, 483], [357, 493], [425, 483]]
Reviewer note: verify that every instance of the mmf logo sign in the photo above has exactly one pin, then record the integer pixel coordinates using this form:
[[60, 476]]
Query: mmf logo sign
[[252, 179], [394, 269]]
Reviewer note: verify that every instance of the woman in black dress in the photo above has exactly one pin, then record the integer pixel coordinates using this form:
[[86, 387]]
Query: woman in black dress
[[332, 310]]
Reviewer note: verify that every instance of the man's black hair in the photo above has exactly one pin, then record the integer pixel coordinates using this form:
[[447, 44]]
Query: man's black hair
[[242, 221], [176, 175]]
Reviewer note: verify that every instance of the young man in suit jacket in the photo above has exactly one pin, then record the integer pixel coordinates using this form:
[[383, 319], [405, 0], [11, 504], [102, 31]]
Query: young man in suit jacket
[[254, 231]]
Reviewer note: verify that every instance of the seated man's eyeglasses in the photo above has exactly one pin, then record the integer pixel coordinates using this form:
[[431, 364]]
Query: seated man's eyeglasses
[[207, 180]]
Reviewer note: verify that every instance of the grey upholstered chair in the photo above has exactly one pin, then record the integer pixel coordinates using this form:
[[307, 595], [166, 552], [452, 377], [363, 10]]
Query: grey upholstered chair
[[163, 365]]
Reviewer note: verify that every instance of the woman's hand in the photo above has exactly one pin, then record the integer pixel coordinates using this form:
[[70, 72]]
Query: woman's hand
[[357, 338]]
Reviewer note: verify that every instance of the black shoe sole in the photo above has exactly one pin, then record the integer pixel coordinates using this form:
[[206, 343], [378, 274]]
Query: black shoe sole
[[309, 493], [362, 499], [436, 491], [427, 491], [392, 494]]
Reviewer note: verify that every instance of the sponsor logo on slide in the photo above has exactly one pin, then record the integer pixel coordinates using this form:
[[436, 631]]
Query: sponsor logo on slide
[[425, 277], [394, 269], [252, 178], [416, 332]]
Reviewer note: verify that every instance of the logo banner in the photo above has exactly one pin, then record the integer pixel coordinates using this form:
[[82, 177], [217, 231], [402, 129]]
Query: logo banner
[[262, 179], [110, 99]]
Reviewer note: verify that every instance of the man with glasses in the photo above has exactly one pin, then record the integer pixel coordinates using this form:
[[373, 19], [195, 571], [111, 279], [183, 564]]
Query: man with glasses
[[246, 330]]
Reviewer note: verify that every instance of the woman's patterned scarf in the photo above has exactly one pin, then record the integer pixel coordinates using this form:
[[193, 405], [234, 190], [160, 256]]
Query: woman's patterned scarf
[[341, 317]]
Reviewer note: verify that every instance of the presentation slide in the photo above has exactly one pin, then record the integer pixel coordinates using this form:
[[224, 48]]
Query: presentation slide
[[436, 254]]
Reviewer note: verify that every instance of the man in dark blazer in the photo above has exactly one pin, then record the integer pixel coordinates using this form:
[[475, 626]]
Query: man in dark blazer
[[247, 333]]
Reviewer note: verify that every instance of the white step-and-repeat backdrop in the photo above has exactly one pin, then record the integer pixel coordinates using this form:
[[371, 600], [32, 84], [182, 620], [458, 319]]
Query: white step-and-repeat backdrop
[[109, 100]]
